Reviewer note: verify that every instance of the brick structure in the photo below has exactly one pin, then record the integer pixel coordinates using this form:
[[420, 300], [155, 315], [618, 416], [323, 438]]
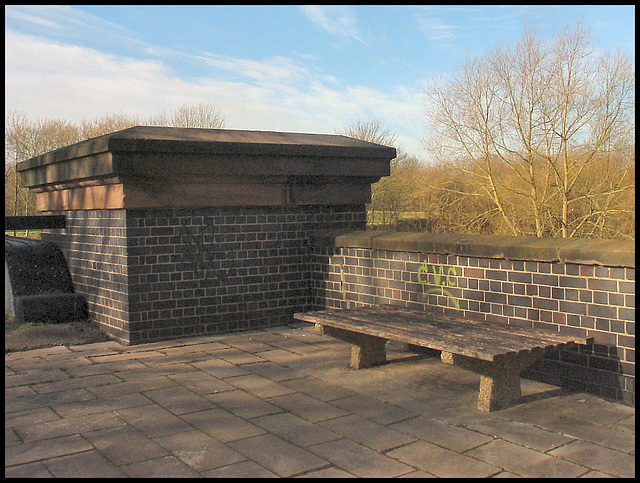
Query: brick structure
[[576, 287], [174, 232]]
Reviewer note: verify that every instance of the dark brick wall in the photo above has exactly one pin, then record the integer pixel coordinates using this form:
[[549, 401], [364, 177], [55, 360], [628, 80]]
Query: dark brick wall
[[597, 301], [95, 247], [151, 275]]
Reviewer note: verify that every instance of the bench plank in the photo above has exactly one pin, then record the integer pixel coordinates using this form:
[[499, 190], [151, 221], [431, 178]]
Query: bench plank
[[491, 336], [470, 338]]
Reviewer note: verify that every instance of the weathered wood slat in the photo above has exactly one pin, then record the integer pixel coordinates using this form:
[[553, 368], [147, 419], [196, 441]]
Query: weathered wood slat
[[422, 320], [447, 322], [436, 318], [452, 328], [509, 336], [466, 337], [437, 339]]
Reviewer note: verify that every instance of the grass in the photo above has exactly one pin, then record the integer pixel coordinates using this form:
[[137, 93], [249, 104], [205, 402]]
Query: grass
[[33, 234]]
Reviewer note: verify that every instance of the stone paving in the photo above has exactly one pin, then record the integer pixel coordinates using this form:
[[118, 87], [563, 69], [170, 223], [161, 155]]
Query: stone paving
[[282, 402]]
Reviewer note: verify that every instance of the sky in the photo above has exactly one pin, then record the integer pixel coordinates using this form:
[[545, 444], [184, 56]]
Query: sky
[[270, 68]]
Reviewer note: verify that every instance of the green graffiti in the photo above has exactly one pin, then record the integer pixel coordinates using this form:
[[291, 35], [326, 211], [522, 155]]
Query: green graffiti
[[438, 280]]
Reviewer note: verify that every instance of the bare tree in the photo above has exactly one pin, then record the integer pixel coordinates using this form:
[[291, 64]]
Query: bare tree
[[528, 122], [24, 139], [106, 124], [386, 194], [371, 131], [203, 115]]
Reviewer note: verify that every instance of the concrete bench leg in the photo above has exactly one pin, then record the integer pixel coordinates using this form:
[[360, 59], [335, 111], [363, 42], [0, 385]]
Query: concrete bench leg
[[366, 350], [499, 380]]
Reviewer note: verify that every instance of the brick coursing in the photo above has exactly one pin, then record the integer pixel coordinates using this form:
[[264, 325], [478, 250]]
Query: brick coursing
[[151, 275], [595, 301], [95, 247]]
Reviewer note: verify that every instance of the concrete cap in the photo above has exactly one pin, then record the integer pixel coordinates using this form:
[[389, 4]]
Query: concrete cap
[[614, 253]]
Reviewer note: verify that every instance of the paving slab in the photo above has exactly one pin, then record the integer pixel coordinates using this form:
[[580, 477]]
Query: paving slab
[[282, 402], [595, 456], [163, 467], [222, 425], [179, 400], [295, 430], [130, 387], [246, 469], [328, 473], [124, 445], [198, 450], [277, 455], [15, 404], [272, 371], [95, 405], [219, 368], [525, 461], [87, 464], [442, 462], [201, 383], [312, 386], [259, 386], [35, 376], [308, 407], [29, 470], [446, 435], [360, 460], [243, 404], [152, 420], [368, 433], [28, 417], [373, 409], [43, 449], [523, 434], [68, 426]]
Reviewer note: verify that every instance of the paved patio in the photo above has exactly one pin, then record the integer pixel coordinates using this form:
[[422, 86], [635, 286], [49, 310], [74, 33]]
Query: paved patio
[[282, 402]]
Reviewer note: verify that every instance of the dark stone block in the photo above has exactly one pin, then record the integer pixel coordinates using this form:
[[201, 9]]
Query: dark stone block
[[51, 308]]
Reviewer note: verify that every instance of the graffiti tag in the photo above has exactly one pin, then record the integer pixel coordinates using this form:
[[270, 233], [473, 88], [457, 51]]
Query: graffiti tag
[[202, 257], [441, 282]]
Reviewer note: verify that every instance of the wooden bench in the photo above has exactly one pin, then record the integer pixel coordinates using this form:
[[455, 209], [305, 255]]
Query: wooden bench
[[499, 353]]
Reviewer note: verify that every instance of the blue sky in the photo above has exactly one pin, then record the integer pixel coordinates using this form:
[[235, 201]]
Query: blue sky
[[274, 68]]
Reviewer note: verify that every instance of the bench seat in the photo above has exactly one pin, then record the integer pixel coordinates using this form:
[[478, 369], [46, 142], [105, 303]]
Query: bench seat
[[499, 353]]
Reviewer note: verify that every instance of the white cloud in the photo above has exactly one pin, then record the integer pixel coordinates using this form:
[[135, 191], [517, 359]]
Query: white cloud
[[62, 80], [276, 69], [69, 23], [436, 30], [56, 80], [339, 21], [30, 18]]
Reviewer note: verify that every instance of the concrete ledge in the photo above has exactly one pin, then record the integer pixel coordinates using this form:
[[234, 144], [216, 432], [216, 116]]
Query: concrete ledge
[[615, 253], [619, 253]]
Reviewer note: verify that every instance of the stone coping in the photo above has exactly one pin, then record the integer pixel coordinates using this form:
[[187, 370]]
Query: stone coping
[[172, 140], [162, 167], [616, 253]]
